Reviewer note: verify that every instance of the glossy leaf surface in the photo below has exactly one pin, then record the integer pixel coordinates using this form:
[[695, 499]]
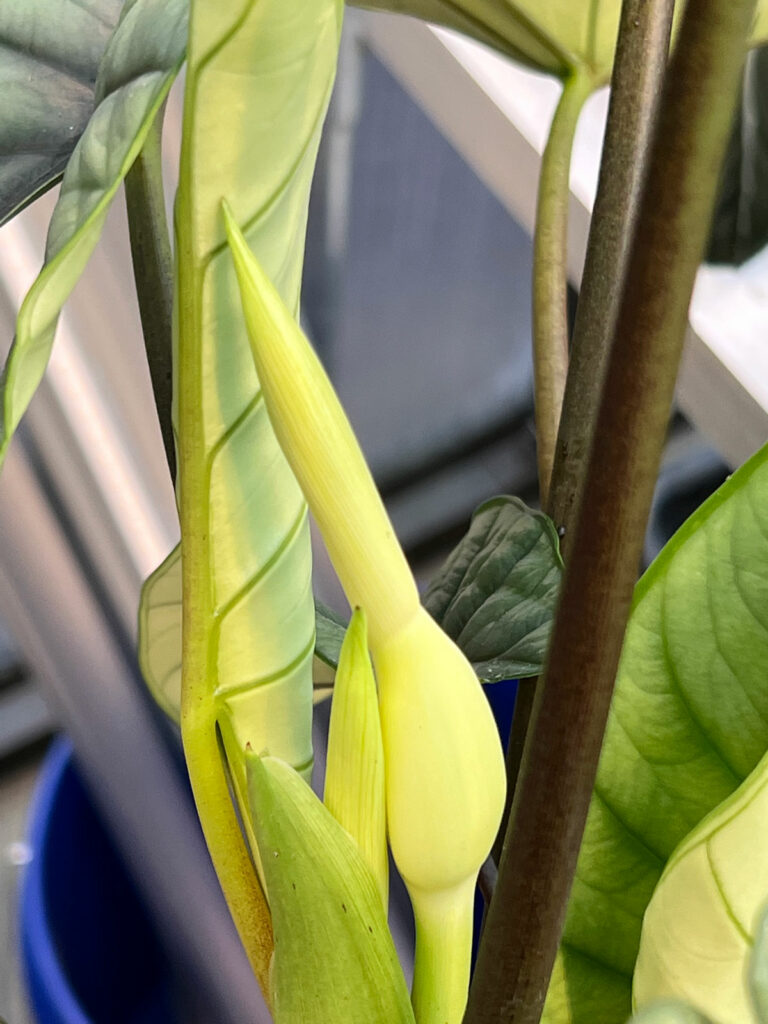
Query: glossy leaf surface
[[51, 50], [334, 957], [496, 594], [137, 70], [688, 723]]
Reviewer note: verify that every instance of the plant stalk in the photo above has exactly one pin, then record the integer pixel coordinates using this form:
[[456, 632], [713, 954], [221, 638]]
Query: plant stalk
[[153, 273], [641, 57], [550, 272], [199, 727], [527, 913]]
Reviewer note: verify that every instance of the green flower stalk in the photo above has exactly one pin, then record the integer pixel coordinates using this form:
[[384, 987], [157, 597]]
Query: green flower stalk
[[354, 774], [444, 764]]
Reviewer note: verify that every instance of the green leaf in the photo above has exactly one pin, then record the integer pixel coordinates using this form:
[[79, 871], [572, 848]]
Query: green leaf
[[159, 640], [137, 70], [669, 1013], [334, 958], [330, 628], [244, 527], [496, 594], [51, 51], [698, 930], [557, 36], [688, 723], [740, 225]]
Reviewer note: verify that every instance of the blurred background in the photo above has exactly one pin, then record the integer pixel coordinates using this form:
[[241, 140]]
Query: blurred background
[[417, 296]]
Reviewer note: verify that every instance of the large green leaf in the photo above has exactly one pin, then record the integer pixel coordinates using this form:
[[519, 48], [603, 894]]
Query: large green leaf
[[699, 927], [159, 640], [138, 68], [496, 594], [688, 723], [49, 57], [740, 225], [556, 36], [259, 78], [334, 957]]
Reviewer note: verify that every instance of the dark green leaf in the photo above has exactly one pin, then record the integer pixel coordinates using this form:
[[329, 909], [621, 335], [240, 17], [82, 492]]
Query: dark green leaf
[[136, 73], [49, 56], [330, 628], [740, 225], [496, 594]]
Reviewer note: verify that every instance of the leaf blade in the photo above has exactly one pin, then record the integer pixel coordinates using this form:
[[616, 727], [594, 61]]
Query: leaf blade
[[101, 159], [496, 593], [683, 731], [159, 644], [51, 55]]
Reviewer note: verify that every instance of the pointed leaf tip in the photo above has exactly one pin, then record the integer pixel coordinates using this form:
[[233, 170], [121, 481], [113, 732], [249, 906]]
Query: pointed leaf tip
[[354, 780]]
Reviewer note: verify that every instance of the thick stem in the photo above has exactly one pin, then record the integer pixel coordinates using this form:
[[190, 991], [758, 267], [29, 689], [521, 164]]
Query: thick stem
[[550, 273], [153, 273], [641, 57], [527, 912]]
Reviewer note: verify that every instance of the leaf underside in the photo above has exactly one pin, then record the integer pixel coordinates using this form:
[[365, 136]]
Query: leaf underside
[[137, 70], [159, 638], [50, 52], [688, 723]]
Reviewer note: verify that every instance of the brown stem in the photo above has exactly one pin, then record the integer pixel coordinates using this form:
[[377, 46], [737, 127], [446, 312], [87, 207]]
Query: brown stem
[[153, 273], [641, 57], [550, 273], [526, 916]]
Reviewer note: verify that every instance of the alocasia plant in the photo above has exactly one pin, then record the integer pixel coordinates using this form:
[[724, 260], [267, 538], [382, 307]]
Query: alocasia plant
[[228, 625]]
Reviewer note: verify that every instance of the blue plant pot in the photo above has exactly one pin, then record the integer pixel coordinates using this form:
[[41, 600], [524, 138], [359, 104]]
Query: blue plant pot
[[90, 954]]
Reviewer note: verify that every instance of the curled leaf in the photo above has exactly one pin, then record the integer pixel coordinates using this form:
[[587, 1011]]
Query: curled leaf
[[334, 958], [700, 925], [159, 640]]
